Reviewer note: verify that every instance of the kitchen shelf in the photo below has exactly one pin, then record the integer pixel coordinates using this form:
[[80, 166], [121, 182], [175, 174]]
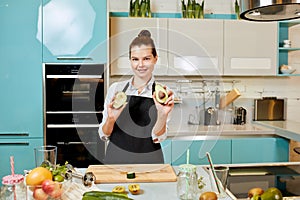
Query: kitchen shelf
[[289, 30]]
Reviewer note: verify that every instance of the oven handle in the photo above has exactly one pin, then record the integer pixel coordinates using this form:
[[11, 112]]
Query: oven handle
[[74, 143], [81, 77], [72, 125], [74, 58]]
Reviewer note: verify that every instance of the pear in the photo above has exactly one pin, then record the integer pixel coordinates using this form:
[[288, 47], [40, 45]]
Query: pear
[[208, 196], [120, 100], [255, 191], [161, 94]]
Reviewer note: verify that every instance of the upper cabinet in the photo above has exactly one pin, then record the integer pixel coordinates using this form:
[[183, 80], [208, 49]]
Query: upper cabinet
[[250, 48], [123, 30], [74, 31], [199, 47], [21, 112], [195, 47], [289, 47]]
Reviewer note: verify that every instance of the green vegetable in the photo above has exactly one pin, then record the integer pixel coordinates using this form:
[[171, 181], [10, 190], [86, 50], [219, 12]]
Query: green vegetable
[[183, 9], [197, 10], [143, 8], [58, 171], [202, 10], [190, 9], [93, 195], [237, 9], [131, 9], [136, 8], [148, 7]]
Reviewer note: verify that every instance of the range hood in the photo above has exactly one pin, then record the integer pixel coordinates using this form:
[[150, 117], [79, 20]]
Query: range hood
[[269, 10]]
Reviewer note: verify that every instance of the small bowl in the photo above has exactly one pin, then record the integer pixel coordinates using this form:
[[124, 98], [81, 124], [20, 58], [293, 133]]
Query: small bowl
[[287, 71]]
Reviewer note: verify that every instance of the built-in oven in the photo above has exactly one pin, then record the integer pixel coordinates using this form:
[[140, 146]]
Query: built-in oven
[[73, 105]]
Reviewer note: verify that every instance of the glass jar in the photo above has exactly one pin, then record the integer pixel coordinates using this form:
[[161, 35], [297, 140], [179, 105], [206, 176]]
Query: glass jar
[[187, 182], [13, 188]]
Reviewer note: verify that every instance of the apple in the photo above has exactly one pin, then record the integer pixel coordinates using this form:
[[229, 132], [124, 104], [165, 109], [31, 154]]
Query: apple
[[39, 194], [48, 186], [57, 191]]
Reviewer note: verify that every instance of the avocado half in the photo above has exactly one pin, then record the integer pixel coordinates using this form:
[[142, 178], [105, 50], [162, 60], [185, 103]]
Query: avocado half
[[120, 100], [161, 94]]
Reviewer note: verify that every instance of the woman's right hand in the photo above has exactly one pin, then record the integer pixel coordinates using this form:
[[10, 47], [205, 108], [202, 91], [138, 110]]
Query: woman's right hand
[[114, 113]]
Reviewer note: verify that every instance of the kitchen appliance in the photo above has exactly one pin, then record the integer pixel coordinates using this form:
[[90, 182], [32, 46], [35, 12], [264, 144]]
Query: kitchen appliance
[[211, 116], [240, 116], [73, 105], [269, 109], [275, 10]]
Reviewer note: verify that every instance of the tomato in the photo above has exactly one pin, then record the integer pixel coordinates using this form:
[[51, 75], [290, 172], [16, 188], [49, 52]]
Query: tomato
[[38, 175]]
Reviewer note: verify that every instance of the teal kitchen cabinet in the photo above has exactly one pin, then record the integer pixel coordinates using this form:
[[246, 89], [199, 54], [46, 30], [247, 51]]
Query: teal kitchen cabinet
[[261, 149], [220, 151], [21, 69], [166, 146], [21, 114], [74, 31], [23, 152]]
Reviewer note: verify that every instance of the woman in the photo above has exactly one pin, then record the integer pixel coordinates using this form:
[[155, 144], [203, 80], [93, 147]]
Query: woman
[[136, 129]]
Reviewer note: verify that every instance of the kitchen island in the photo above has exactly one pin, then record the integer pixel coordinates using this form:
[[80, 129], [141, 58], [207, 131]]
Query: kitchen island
[[161, 190]]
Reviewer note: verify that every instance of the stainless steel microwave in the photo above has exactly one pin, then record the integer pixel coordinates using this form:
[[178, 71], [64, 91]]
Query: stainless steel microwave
[[269, 109]]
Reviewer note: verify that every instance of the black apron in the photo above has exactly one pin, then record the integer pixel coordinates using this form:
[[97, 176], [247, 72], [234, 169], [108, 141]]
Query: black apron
[[130, 141]]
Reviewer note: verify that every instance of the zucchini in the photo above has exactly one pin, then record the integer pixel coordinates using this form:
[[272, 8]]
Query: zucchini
[[105, 195]]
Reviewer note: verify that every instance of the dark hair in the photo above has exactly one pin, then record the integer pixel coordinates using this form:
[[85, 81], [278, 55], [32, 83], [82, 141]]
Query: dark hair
[[143, 38]]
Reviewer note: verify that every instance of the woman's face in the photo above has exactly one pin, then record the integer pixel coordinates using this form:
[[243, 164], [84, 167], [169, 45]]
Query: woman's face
[[142, 61]]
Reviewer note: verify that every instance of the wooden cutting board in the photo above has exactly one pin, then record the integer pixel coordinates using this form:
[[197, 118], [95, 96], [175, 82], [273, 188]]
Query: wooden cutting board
[[143, 173]]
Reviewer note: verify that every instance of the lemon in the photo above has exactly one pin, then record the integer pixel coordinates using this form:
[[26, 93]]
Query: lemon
[[38, 175]]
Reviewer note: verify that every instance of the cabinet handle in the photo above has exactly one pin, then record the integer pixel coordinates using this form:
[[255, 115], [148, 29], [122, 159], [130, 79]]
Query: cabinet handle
[[75, 143], [14, 144], [14, 134], [74, 58]]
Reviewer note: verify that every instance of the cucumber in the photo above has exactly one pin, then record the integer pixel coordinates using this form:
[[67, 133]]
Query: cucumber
[[105, 196]]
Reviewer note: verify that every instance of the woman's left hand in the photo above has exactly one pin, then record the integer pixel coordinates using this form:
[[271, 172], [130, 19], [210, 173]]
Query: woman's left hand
[[167, 106]]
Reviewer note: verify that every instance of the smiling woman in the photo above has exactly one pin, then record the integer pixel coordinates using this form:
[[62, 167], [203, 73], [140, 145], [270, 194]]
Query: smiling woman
[[136, 129]]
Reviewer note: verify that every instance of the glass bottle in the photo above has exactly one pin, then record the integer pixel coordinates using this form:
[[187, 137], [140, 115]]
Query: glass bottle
[[13, 188], [187, 182]]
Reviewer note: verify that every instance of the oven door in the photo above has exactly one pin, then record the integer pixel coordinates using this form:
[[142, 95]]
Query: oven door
[[80, 146], [74, 87], [76, 136]]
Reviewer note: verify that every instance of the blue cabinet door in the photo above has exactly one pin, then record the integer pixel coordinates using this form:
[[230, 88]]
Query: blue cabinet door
[[220, 151], [255, 150], [23, 152], [74, 31], [20, 69], [166, 148]]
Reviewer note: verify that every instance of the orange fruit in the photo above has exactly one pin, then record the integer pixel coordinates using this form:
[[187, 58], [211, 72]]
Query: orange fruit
[[38, 175]]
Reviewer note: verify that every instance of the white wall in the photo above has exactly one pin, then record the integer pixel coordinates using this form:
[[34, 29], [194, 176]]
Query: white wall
[[173, 6]]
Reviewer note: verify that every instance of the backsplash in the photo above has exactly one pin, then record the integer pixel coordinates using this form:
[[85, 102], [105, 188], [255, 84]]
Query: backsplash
[[249, 87]]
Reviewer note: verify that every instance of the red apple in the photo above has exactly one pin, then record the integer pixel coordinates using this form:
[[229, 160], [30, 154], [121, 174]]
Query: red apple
[[39, 194], [57, 192], [48, 186]]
